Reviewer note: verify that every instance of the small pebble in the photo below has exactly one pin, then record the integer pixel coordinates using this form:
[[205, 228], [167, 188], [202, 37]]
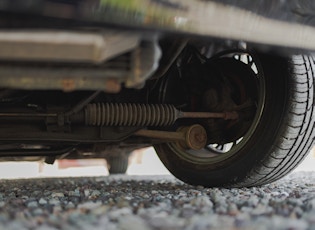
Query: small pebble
[[42, 201]]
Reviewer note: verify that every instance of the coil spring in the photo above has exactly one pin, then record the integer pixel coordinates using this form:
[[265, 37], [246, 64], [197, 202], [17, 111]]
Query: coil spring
[[127, 114]]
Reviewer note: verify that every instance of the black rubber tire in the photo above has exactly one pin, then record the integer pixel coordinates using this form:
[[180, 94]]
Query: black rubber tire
[[281, 140], [118, 164]]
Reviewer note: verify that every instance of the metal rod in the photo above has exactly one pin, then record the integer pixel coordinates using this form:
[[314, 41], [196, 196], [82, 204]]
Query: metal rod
[[164, 114], [233, 115], [165, 135], [78, 107], [188, 137], [28, 114]]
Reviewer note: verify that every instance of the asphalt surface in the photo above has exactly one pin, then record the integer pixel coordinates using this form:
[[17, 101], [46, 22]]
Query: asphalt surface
[[161, 202]]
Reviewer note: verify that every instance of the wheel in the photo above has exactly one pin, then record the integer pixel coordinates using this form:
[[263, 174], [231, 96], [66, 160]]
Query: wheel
[[271, 137], [117, 164]]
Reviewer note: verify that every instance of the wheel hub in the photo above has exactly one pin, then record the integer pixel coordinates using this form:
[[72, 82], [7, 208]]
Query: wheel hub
[[216, 85]]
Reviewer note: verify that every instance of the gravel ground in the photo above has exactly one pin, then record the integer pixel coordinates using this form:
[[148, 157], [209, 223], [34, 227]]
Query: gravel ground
[[128, 202]]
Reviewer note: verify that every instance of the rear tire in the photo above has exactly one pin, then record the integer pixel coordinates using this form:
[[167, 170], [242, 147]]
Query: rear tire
[[280, 141], [118, 164]]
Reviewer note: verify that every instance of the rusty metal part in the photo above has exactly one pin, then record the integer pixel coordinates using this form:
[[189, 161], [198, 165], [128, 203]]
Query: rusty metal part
[[233, 115], [129, 64], [50, 80], [190, 137], [195, 137], [124, 114], [107, 77], [145, 62], [65, 46], [165, 135]]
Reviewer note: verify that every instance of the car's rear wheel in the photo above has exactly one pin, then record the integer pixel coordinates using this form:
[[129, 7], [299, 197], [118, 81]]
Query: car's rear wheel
[[117, 164], [264, 146]]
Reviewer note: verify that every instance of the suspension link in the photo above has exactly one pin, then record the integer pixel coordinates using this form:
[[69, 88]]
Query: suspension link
[[188, 137]]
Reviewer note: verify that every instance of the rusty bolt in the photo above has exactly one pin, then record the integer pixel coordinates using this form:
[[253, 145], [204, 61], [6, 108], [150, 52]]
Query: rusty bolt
[[68, 85]]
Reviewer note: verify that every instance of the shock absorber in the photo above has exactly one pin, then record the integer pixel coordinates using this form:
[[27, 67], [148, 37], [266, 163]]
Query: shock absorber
[[130, 114]]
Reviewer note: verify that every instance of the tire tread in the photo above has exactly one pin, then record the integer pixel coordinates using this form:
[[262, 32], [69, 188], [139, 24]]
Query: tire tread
[[297, 137]]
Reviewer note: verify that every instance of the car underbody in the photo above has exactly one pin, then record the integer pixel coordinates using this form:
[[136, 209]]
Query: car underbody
[[86, 106], [216, 107]]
